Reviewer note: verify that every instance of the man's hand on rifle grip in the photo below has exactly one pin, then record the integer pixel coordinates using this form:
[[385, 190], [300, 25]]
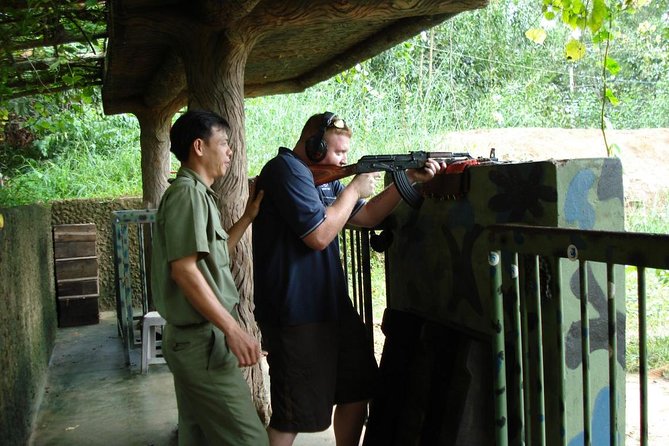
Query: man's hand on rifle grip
[[427, 172], [364, 184]]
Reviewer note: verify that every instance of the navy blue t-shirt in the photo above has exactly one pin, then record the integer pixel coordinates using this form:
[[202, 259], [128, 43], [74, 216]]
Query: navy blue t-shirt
[[294, 284]]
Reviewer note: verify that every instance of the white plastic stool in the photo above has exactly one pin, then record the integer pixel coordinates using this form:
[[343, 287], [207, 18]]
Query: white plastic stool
[[150, 322]]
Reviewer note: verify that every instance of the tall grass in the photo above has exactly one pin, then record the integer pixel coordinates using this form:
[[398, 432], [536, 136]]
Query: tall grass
[[652, 217], [76, 175]]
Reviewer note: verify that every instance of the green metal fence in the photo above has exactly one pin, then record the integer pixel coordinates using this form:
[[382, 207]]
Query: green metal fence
[[355, 255], [516, 253], [528, 323], [356, 259], [123, 223]]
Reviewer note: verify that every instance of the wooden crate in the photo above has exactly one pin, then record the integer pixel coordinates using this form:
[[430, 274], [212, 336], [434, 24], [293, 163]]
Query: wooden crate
[[76, 268], [78, 311]]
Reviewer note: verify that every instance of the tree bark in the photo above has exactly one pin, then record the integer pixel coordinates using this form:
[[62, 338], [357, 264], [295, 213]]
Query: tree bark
[[214, 62], [154, 141]]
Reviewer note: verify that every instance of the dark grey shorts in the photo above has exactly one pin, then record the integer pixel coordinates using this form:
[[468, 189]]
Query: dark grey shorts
[[312, 367]]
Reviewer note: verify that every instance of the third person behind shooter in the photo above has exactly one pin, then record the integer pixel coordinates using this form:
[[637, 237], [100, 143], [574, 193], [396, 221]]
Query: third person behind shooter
[[319, 354]]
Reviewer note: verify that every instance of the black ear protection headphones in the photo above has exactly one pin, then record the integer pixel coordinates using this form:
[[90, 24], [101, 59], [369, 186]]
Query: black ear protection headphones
[[316, 147]]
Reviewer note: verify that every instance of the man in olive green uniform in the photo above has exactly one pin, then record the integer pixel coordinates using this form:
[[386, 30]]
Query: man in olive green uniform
[[193, 289]]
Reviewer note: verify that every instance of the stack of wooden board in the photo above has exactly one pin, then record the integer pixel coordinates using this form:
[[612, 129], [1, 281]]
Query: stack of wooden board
[[76, 268]]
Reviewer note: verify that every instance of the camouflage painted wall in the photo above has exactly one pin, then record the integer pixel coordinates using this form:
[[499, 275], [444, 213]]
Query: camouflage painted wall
[[437, 261], [28, 317]]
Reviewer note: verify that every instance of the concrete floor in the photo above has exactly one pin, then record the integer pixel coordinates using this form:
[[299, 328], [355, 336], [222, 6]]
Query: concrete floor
[[93, 398]]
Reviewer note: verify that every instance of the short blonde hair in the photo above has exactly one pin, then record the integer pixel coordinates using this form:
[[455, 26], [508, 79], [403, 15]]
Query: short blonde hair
[[316, 124]]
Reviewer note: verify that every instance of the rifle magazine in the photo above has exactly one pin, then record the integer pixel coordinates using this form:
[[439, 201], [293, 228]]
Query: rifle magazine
[[412, 197]]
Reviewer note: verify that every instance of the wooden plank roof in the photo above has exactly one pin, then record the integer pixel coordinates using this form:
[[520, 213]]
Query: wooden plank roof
[[137, 62]]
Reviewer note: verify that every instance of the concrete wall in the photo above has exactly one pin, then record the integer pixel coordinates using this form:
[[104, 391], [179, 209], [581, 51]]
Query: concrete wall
[[28, 317], [28, 320]]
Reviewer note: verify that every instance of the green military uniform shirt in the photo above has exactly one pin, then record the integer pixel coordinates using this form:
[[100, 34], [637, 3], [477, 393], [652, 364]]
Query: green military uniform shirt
[[188, 222]]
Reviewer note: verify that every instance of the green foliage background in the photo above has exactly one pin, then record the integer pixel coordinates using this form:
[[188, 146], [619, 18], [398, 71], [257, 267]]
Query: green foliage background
[[477, 70]]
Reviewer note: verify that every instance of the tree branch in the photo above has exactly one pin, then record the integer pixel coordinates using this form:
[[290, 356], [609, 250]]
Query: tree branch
[[32, 90], [52, 41], [26, 65]]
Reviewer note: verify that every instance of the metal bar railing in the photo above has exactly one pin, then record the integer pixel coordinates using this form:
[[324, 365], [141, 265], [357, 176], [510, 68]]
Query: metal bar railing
[[586, 246], [524, 358], [125, 313], [561, 357], [359, 273], [142, 267], [643, 355], [540, 417], [366, 304], [522, 410], [585, 351], [356, 259], [499, 355], [613, 349]]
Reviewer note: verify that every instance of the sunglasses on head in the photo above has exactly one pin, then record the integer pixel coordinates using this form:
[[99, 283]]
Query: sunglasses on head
[[336, 122]]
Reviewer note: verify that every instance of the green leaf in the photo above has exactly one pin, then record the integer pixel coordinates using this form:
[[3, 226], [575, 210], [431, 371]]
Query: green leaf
[[602, 36], [536, 35], [612, 66], [71, 79], [612, 97], [615, 150], [597, 15], [574, 50]]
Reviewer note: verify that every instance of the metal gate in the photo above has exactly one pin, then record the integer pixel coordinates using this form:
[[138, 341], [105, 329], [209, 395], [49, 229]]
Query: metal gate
[[517, 256]]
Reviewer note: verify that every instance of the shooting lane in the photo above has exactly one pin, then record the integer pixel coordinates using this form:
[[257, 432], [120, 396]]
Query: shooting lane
[[436, 371]]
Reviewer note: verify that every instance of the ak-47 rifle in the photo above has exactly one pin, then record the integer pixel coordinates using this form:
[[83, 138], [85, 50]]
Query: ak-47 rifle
[[397, 166]]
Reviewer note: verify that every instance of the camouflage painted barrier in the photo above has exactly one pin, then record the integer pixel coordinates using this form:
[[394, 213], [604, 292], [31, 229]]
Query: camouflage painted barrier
[[437, 368]]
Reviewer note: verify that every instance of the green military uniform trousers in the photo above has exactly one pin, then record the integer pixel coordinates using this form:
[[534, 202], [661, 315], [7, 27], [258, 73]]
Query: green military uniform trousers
[[215, 406]]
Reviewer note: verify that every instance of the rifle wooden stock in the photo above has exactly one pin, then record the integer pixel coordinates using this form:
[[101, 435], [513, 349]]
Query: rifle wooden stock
[[325, 174]]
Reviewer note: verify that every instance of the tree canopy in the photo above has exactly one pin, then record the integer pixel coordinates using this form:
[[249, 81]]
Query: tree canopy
[[51, 46]]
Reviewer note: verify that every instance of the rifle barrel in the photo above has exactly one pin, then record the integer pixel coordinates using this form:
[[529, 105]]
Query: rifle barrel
[[377, 163], [448, 155]]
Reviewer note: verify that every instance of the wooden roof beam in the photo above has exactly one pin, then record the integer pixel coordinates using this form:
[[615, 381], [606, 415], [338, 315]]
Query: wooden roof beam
[[279, 15], [390, 36], [168, 83], [215, 12]]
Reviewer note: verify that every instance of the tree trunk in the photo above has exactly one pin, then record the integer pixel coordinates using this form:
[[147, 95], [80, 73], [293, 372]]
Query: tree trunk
[[215, 65], [154, 140]]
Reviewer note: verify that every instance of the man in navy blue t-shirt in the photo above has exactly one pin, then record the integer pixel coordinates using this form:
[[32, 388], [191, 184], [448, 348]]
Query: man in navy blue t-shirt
[[318, 354]]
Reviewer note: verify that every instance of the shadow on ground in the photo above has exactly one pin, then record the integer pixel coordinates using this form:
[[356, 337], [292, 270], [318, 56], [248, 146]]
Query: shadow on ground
[[92, 398]]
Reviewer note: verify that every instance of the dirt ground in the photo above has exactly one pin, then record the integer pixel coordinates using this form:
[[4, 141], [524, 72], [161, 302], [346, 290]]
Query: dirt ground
[[645, 157], [644, 153]]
